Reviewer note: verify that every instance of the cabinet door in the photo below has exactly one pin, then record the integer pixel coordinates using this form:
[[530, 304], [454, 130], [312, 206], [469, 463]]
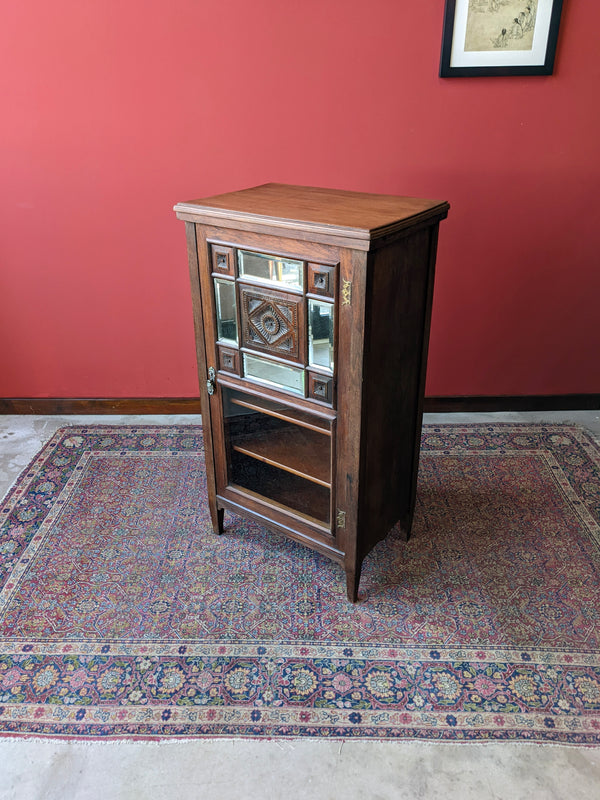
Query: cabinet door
[[279, 454], [270, 351]]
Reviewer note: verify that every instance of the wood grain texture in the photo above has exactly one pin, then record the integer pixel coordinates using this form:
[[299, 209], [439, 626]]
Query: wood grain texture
[[198, 266], [425, 324], [292, 401], [358, 217], [55, 406], [300, 418], [399, 307], [291, 247], [294, 449], [300, 527], [352, 327], [208, 336], [373, 255]]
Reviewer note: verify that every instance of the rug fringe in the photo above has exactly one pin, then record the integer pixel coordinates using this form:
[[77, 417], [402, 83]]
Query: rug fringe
[[149, 742]]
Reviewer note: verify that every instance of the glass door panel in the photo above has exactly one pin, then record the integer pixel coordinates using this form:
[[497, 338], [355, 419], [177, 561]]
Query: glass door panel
[[226, 308], [276, 270], [280, 454], [274, 373], [320, 334]]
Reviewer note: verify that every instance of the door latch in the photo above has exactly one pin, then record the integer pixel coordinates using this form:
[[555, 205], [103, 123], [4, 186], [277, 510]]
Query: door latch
[[212, 381]]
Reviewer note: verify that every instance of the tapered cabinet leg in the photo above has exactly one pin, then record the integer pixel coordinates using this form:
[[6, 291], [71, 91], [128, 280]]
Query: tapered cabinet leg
[[405, 526], [216, 516], [352, 582]]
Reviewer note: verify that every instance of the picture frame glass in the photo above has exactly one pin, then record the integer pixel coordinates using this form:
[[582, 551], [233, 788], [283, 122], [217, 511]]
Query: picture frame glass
[[504, 34]]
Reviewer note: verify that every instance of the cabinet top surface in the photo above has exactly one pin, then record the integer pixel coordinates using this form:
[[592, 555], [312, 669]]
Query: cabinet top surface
[[352, 214]]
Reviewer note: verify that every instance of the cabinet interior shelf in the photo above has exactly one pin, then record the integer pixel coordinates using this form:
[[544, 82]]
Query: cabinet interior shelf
[[301, 418], [300, 451], [281, 489]]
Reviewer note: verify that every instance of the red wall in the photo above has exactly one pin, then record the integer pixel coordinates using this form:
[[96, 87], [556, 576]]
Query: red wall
[[114, 110]]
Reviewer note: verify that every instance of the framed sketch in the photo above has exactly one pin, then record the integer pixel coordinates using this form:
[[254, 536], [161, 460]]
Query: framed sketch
[[499, 37]]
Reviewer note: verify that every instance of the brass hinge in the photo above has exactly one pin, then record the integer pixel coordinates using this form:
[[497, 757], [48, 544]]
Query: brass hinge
[[340, 519], [346, 292]]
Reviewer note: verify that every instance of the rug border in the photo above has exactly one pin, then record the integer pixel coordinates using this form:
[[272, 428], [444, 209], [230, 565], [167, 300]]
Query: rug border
[[540, 737]]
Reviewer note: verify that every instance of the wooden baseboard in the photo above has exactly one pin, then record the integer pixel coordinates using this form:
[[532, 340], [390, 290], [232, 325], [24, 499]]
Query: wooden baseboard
[[105, 405], [191, 405], [557, 402]]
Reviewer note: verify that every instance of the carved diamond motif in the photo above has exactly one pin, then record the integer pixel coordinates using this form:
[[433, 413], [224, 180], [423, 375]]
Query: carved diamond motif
[[270, 323]]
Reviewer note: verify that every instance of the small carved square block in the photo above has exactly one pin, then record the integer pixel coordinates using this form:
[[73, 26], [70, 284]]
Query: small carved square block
[[320, 387], [228, 360], [321, 279], [222, 259]]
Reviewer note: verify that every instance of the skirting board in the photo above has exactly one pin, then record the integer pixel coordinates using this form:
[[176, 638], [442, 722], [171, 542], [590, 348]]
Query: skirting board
[[191, 405], [102, 405]]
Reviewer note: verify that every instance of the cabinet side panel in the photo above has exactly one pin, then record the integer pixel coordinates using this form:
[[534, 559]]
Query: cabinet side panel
[[395, 368]]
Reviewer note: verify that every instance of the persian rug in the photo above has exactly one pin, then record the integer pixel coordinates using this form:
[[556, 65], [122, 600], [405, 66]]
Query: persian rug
[[123, 615]]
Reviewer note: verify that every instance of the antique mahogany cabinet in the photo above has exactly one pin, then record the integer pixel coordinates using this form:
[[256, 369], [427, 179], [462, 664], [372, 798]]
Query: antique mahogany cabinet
[[312, 310]]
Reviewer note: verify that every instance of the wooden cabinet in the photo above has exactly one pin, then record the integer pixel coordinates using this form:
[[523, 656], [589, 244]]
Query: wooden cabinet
[[311, 310]]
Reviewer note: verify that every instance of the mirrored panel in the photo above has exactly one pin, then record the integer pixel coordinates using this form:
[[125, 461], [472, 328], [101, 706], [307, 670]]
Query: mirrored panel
[[226, 311], [320, 334], [274, 373], [274, 270]]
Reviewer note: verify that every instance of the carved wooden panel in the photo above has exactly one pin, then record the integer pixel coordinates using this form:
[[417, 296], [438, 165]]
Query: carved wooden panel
[[320, 387], [222, 259], [321, 279], [273, 322], [229, 360]]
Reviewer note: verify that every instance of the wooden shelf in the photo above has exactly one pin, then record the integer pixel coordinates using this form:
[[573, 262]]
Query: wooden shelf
[[300, 451], [301, 418], [282, 490]]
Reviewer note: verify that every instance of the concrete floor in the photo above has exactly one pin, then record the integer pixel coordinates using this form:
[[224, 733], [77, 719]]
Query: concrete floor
[[234, 768]]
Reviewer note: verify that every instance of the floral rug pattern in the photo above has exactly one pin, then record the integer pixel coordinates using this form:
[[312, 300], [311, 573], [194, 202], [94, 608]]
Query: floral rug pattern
[[123, 615]]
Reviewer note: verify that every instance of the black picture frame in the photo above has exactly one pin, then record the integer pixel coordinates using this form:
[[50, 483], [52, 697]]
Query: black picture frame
[[499, 36]]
